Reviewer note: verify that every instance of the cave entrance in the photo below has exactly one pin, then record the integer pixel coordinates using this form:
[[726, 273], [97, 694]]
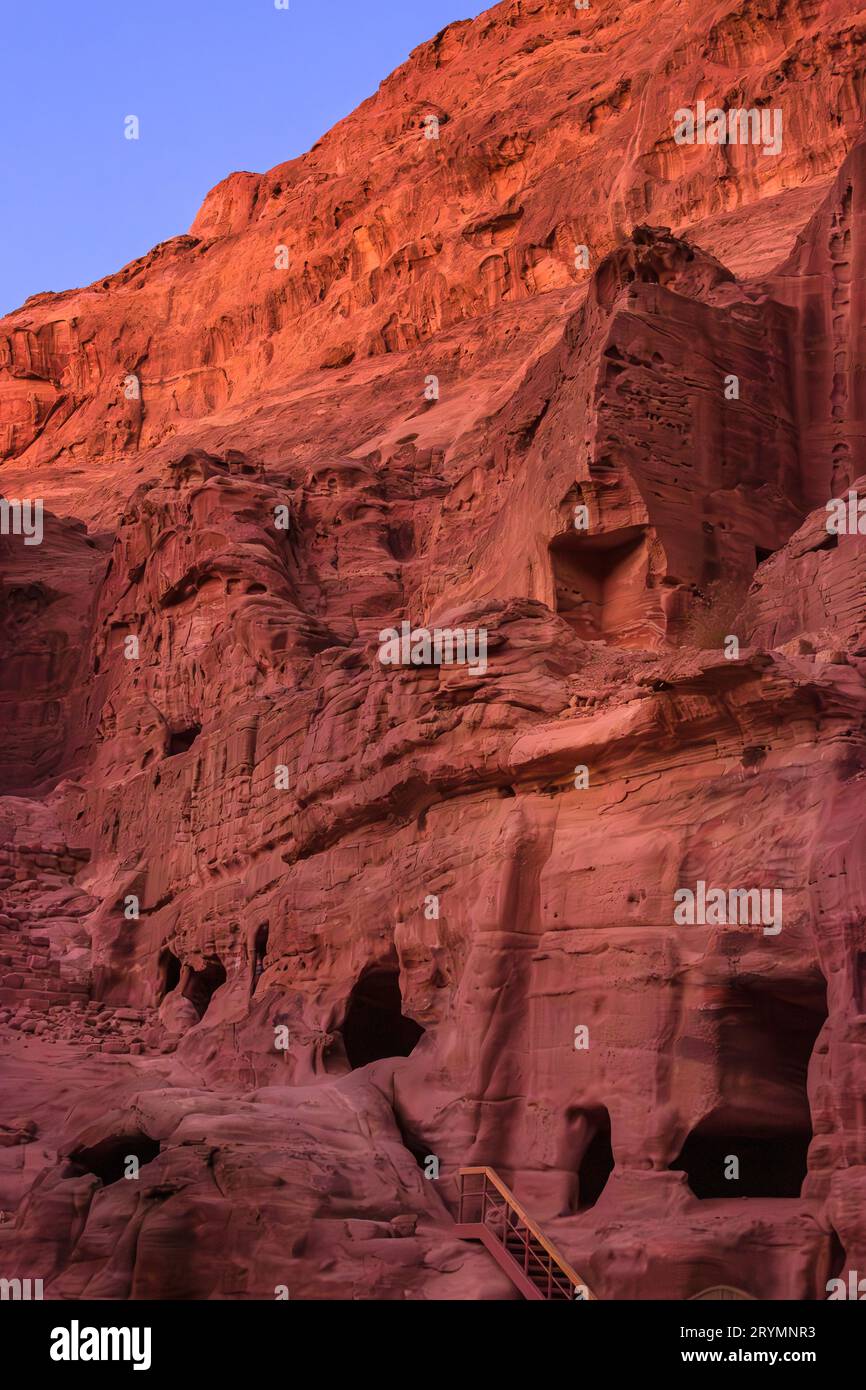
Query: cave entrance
[[593, 1155], [375, 1025], [260, 950], [860, 981], [601, 584], [168, 974], [765, 1035], [770, 1165], [107, 1159], [181, 740], [837, 1259], [202, 985]]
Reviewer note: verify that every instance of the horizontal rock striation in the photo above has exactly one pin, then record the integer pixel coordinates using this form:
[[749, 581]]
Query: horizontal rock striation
[[289, 934]]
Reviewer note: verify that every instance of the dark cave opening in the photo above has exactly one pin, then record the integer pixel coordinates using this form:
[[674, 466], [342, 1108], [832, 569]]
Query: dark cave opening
[[107, 1159], [597, 1163], [837, 1258], [202, 985], [260, 950], [769, 1165], [766, 1032], [375, 1026], [168, 974], [589, 1155], [181, 740], [860, 981]]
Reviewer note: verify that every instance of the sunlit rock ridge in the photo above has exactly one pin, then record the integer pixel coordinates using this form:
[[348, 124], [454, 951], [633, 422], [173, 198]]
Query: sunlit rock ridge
[[290, 934]]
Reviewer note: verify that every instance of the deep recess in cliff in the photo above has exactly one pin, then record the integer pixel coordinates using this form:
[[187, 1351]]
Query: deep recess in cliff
[[225, 825]]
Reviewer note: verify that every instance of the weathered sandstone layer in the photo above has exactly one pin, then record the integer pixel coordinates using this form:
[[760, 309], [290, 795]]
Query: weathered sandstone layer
[[282, 922]]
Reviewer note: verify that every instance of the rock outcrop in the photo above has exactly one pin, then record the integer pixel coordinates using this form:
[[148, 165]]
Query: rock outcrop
[[290, 933]]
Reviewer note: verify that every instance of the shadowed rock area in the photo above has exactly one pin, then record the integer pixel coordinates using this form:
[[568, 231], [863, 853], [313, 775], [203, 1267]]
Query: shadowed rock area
[[280, 923]]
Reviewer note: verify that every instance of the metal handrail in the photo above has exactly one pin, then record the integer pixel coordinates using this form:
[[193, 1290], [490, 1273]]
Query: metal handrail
[[498, 1201]]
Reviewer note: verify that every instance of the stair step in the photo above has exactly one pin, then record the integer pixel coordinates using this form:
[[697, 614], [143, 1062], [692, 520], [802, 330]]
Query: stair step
[[513, 1239]]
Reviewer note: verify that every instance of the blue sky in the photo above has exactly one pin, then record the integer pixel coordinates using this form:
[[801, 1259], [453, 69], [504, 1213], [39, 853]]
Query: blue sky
[[217, 85]]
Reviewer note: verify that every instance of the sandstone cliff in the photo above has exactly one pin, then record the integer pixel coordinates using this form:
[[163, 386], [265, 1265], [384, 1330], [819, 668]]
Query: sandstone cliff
[[284, 922]]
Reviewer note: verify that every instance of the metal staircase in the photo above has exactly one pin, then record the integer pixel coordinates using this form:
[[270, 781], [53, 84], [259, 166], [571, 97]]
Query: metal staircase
[[489, 1212]]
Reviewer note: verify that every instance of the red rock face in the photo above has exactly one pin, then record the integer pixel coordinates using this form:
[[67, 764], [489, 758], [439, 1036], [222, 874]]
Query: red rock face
[[283, 921]]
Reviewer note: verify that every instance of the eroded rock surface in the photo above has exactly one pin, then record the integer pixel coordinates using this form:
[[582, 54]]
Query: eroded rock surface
[[281, 924]]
